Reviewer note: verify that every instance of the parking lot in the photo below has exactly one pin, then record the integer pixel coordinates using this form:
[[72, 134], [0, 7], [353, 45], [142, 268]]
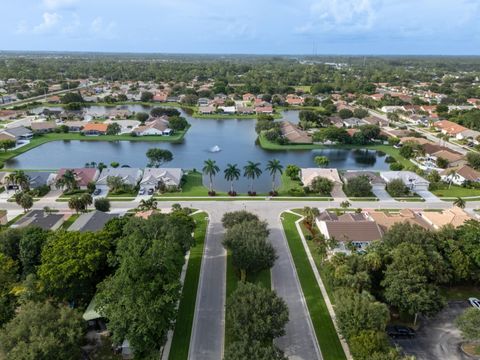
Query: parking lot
[[438, 338]]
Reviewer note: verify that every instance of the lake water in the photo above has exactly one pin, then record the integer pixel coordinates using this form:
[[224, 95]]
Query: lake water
[[236, 139]]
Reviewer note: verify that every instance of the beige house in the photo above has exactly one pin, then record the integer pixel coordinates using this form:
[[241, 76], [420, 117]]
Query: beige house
[[387, 219], [309, 174], [454, 216]]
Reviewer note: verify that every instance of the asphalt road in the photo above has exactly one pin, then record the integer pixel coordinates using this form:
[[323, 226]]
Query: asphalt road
[[438, 338]]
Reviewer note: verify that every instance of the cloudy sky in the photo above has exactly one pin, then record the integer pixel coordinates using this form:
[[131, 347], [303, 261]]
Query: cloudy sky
[[444, 27]]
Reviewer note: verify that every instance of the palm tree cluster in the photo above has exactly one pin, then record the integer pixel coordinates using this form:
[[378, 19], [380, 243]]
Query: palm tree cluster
[[67, 181], [80, 203], [251, 171], [18, 179]]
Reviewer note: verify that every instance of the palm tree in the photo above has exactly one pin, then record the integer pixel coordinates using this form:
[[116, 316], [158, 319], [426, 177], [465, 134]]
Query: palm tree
[[459, 202], [251, 171], [18, 177], [232, 173], [345, 205], [211, 169], [452, 174], [150, 204], [321, 161], [67, 180], [310, 213], [274, 167]]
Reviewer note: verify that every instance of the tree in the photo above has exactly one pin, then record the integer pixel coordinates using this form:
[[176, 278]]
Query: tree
[[7, 144], [148, 204], [274, 167], [345, 205], [321, 185], [113, 129], [254, 349], [232, 173], [115, 183], [469, 324], [407, 151], [370, 343], [345, 113], [72, 98], [102, 204], [8, 279], [43, 331], [18, 177], [459, 202], [146, 96], [473, 160], [80, 203], [251, 171], [142, 116], [68, 180], [30, 248], [360, 113], [230, 219], [397, 188], [358, 186], [442, 163], [158, 157], [256, 313], [24, 200], [178, 123], [292, 171], [321, 161], [251, 252], [210, 169]]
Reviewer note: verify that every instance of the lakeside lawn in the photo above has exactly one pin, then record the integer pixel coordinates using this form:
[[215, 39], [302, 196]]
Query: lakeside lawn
[[326, 334], [186, 309]]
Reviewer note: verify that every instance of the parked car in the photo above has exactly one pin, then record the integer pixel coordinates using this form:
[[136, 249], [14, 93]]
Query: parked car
[[97, 192], [400, 331], [474, 302], [150, 191], [141, 192]]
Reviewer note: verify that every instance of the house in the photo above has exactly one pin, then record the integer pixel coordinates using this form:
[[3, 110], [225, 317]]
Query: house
[[248, 97], [160, 97], [461, 175], [473, 101], [95, 129], [155, 177], [355, 229], [203, 101], [129, 176], [84, 176], [245, 110], [41, 219], [374, 120], [157, 126], [264, 110], [74, 126], [376, 97], [293, 134], [91, 221], [454, 217], [375, 180], [352, 122], [6, 136], [413, 181], [3, 217], [42, 127], [468, 134], [449, 127], [206, 109], [309, 174], [387, 219], [17, 133], [294, 100], [435, 152], [54, 99], [40, 178], [228, 109]]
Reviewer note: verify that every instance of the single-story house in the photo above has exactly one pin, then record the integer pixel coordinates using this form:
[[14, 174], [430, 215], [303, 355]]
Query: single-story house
[[435, 152], [18, 133], [375, 180], [308, 174], [413, 181], [42, 127], [294, 134], [206, 109], [461, 175], [248, 97], [454, 216], [352, 122], [40, 178], [374, 120], [91, 221], [264, 110], [228, 109], [84, 176], [245, 110], [41, 219], [294, 100], [157, 126], [153, 177], [387, 219], [348, 228], [203, 101], [129, 176], [74, 126], [449, 128], [95, 129]]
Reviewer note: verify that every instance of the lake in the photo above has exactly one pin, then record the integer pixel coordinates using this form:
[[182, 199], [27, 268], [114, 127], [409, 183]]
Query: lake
[[235, 138]]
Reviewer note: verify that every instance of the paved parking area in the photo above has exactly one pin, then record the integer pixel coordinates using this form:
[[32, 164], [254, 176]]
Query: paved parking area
[[438, 338]]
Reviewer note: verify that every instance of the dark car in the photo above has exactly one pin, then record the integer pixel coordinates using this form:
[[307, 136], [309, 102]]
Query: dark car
[[150, 191], [400, 331], [97, 192]]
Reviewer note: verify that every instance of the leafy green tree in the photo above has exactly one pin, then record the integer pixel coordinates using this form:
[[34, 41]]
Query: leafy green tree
[[30, 248], [230, 219], [210, 169], [321, 161], [245, 349], [80, 203], [345, 113], [370, 343], [72, 264], [251, 252], [8, 278], [345, 205], [68, 180], [360, 113], [24, 200], [251, 171], [102, 204], [43, 331], [232, 173], [178, 123], [442, 163], [158, 157], [142, 116], [358, 186], [146, 96], [256, 313], [10, 242], [407, 151], [274, 167], [72, 97], [113, 129], [397, 188], [7, 144], [333, 134], [469, 324], [473, 160], [148, 204], [292, 171], [321, 185], [358, 312]]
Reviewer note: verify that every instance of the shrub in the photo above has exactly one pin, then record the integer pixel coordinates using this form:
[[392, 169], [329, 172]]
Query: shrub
[[397, 188], [390, 159], [102, 204], [297, 191], [396, 166], [358, 186]]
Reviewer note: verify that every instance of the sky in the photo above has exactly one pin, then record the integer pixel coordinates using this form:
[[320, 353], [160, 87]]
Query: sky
[[423, 27]]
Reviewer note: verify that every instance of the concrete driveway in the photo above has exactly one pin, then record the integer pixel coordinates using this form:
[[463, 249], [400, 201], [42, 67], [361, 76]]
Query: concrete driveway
[[428, 196], [382, 194], [438, 338]]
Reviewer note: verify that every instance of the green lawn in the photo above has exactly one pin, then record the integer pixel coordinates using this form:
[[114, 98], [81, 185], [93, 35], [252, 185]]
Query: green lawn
[[233, 278], [193, 186], [456, 293], [456, 191], [324, 329], [69, 221], [186, 310]]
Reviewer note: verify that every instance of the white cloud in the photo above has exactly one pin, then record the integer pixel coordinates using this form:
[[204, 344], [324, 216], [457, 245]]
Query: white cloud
[[344, 15], [50, 20], [58, 4], [103, 29]]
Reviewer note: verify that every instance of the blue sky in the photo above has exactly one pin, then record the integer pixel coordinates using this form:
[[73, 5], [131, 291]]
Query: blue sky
[[445, 27]]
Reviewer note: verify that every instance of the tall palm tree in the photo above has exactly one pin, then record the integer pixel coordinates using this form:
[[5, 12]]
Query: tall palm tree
[[251, 171], [274, 167], [459, 202], [211, 169], [21, 179], [232, 173], [67, 180]]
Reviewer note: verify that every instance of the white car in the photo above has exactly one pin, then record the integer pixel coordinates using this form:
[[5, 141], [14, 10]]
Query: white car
[[474, 302]]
